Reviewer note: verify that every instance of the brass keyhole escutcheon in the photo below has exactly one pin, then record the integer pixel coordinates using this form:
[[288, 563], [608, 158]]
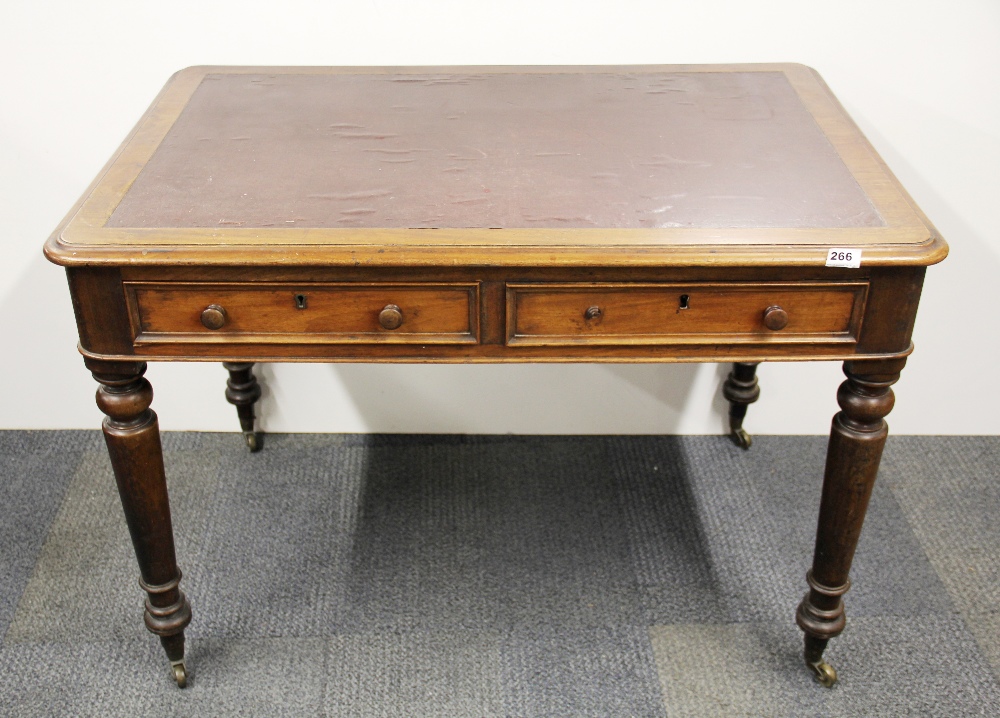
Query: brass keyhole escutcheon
[[214, 317], [594, 312], [391, 317], [775, 318]]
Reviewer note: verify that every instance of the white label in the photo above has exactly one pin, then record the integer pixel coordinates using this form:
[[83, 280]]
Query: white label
[[840, 257]]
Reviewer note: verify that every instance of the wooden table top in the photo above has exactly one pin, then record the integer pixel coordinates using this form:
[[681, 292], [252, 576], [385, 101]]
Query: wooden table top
[[548, 166]]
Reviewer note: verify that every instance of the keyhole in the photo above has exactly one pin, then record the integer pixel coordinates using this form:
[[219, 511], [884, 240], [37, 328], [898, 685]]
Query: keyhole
[[684, 302], [300, 301]]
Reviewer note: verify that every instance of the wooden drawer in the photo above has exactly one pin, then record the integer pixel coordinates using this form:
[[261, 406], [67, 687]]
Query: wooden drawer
[[318, 313], [709, 313]]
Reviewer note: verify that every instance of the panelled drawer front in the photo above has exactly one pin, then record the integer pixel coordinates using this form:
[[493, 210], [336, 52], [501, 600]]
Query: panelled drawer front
[[305, 313], [635, 314]]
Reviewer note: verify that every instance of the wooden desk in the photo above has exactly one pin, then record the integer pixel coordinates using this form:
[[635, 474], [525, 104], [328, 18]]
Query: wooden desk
[[561, 214]]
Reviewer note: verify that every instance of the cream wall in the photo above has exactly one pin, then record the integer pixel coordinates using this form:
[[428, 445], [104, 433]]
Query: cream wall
[[921, 78]]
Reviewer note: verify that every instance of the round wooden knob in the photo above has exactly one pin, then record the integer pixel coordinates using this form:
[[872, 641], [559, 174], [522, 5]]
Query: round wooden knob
[[775, 318], [594, 312], [214, 316], [390, 317]]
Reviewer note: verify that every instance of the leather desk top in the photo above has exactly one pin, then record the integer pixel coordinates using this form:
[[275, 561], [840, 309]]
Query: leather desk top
[[749, 165]]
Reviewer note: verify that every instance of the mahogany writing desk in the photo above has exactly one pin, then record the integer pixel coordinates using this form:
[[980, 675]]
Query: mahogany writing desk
[[585, 214]]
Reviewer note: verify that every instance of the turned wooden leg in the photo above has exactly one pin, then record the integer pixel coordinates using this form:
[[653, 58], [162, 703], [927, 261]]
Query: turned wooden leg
[[132, 434], [740, 389], [857, 437], [243, 391]]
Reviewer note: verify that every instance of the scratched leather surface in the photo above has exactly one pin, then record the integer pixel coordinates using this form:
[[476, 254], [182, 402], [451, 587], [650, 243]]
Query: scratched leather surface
[[616, 150]]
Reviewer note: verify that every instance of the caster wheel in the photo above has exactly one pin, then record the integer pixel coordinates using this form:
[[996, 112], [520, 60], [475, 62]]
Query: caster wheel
[[741, 438], [253, 441], [180, 674], [825, 673]]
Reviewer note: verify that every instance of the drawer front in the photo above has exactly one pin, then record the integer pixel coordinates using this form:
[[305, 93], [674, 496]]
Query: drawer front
[[636, 314], [260, 313]]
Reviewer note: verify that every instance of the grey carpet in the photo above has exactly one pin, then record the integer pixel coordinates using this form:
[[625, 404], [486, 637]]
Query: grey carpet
[[498, 576]]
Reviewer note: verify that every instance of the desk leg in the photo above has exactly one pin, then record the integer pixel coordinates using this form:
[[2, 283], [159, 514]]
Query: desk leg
[[132, 434], [857, 438], [740, 390], [243, 391]]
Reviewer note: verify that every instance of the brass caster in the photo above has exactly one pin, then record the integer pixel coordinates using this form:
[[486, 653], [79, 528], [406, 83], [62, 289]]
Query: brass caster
[[824, 672], [253, 441], [741, 438], [180, 673]]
